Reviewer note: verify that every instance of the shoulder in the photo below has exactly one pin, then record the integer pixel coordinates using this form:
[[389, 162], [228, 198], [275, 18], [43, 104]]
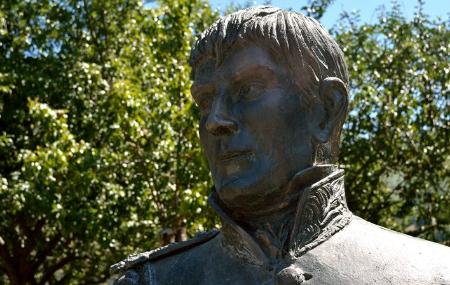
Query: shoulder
[[415, 258], [370, 254], [372, 235], [381, 235], [128, 269]]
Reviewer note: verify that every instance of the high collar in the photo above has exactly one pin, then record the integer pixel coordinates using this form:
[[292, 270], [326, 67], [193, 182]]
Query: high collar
[[321, 211]]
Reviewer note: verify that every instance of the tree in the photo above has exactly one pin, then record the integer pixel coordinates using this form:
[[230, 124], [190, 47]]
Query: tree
[[395, 146], [316, 8], [98, 149]]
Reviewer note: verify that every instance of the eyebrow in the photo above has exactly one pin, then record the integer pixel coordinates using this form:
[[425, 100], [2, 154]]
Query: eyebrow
[[256, 69], [247, 71], [197, 89]]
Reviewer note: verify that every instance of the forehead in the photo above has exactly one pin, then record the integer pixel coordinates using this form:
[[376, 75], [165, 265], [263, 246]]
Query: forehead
[[235, 61]]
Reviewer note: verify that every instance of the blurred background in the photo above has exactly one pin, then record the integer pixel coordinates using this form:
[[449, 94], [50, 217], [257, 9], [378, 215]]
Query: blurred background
[[99, 151]]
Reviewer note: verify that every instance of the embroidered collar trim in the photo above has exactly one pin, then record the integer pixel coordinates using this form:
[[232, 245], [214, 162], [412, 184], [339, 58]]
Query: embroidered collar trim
[[321, 212]]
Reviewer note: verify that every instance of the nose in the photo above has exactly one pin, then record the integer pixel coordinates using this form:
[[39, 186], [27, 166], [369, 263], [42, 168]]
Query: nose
[[219, 122]]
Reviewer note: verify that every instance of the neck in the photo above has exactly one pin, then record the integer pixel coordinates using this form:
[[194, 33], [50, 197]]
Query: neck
[[282, 206], [295, 219]]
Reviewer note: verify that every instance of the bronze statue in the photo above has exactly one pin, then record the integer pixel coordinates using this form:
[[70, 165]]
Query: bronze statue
[[271, 86]]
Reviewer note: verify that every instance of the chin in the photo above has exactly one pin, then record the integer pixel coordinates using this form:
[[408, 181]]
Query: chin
[[230, 189], [242, 192]]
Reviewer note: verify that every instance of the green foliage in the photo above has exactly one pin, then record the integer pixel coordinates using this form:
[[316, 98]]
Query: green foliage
[[395, 147], [98, 138], [316, 8], [98, 135]]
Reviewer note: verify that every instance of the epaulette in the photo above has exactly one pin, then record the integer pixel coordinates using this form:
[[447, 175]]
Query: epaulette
[[168, 250]]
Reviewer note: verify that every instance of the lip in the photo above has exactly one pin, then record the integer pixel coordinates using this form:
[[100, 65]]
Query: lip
[[236, 154]]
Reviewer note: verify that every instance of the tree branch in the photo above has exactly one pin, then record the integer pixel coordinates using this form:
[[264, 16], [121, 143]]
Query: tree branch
[[65, 280], [30, 234], [10, 265], [58, 265], [42, 255]]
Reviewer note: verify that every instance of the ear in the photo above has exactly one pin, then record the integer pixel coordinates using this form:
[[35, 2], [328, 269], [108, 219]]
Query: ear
[[331, 109]]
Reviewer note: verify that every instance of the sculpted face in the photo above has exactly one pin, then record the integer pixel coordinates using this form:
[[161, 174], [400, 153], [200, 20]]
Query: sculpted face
[[253, 129]]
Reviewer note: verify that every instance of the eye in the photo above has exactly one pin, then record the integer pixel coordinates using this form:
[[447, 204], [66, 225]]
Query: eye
[[205, 103], [250, 91]]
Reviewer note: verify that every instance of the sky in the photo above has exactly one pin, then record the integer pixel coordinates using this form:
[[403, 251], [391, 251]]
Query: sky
[[366, 8]]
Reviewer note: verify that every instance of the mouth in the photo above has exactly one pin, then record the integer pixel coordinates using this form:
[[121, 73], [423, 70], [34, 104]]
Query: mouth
[[232, 164], [231, 155]]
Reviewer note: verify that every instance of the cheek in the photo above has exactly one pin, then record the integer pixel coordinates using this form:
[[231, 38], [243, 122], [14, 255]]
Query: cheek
[[203, 134], [275, 119], [206, 142]]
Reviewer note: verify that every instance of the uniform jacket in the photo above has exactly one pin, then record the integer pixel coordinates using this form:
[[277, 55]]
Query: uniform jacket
[[322, 243]]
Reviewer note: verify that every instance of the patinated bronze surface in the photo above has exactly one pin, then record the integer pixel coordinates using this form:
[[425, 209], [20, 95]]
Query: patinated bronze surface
[[271, 86]]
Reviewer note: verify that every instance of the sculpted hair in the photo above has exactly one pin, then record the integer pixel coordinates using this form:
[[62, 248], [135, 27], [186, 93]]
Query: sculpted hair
[[300, 42]]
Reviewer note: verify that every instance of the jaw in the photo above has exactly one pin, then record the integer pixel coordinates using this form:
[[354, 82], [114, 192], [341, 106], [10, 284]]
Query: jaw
[[252, 194]]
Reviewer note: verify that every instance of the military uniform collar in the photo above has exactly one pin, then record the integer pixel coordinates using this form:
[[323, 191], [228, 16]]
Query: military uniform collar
[[321, 212]]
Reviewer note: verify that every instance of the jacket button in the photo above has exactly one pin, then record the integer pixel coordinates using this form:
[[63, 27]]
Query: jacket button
[[292, 275]]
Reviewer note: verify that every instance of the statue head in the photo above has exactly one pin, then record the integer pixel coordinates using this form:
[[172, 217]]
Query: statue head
[[271, 86]]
